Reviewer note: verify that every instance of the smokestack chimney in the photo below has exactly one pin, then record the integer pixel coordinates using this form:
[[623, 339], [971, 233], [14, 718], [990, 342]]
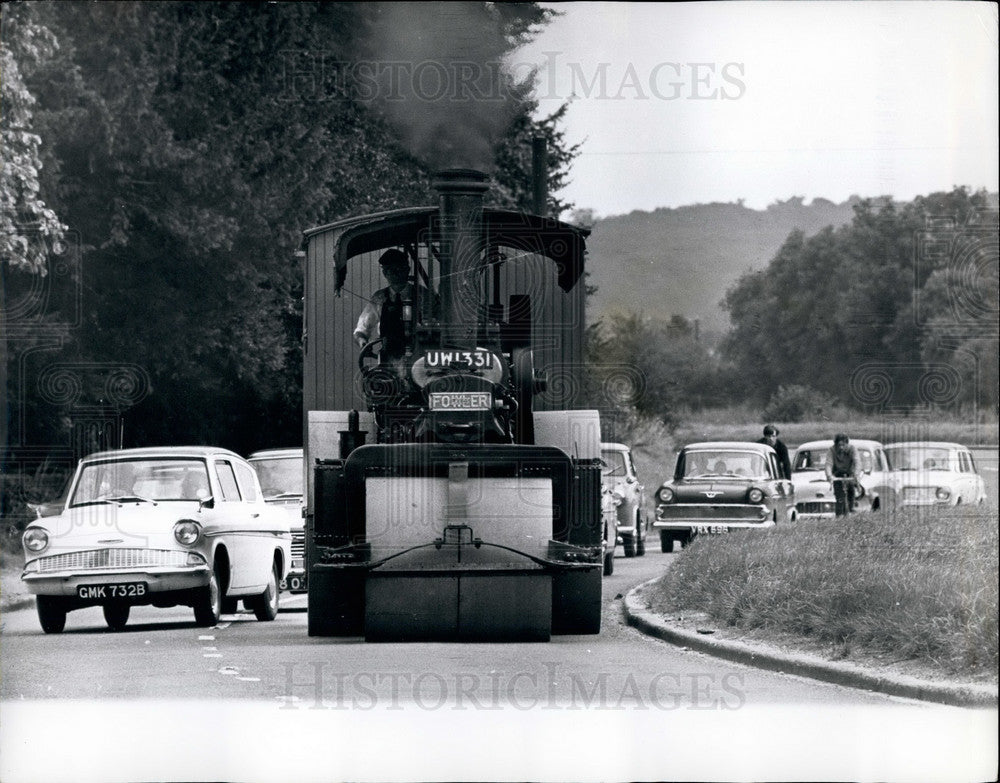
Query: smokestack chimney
[[540, 174], [461, 200]]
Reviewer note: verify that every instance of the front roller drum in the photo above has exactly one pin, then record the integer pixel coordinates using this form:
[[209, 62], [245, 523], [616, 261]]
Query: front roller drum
[[336, 602], [467, 606], [576, 601]]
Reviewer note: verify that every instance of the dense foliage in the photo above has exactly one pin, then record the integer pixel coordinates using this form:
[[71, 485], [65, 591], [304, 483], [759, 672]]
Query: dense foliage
[[188, 145], [897, 310], [646, 367]]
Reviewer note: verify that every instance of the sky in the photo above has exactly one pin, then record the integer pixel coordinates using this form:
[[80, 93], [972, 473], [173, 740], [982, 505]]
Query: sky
[[684, 103]]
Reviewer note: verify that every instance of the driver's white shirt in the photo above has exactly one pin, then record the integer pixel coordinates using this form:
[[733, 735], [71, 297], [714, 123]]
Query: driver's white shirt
[[368, 321]]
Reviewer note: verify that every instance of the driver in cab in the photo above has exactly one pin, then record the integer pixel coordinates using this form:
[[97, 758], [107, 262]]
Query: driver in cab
[[384, 312]]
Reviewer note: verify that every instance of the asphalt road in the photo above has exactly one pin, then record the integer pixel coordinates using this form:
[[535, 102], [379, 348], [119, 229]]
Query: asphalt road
[[248, 700]]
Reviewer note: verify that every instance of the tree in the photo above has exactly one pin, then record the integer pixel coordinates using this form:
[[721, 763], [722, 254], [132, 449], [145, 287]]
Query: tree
[[192, 143], [863, 313], [27, 225], [29, 229], [648, 367]]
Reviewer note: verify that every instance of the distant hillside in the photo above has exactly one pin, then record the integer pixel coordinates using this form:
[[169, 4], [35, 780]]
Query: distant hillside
[[681, 261]]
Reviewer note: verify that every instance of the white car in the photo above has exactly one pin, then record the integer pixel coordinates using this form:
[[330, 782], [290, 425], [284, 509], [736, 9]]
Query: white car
[[609, 515], [618, 474], [934, 473], [814, 494], [282, 478], [162, 527]]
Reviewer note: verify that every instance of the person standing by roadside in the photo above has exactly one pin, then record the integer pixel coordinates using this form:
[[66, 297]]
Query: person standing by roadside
[[842, 463], [771, 439]]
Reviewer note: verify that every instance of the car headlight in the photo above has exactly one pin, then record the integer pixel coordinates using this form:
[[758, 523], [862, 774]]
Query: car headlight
[[618, 497], [755, 495], [666, 494], [35, 539], [187, 532], [943, 493]]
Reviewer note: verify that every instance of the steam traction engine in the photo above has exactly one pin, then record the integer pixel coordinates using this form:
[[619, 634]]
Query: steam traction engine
[[441, 504]]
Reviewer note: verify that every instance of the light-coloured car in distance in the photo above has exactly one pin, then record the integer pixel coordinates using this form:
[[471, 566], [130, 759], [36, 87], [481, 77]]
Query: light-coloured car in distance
[[158, 526], [814, 494], [619, 475], [282, 477], [935, 473]]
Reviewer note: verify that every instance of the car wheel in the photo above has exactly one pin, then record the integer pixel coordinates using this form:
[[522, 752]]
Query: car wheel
[[609, 563], [51, 613], [208, 604], [666, 542], [265, 605], [640, 543], [116, 615], [628, 545]]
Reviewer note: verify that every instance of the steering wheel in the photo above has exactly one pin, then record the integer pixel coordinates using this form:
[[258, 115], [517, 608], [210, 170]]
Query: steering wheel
[[368, 352]]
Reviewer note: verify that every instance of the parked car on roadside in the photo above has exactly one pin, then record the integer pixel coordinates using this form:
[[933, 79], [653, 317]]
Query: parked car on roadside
[[609, 515], [935, 473], [618, 475], [158, 526], [814, 494], [721, 486], [282, 478]]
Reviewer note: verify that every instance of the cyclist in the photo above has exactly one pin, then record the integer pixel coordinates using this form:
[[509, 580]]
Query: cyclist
[[842, 466]]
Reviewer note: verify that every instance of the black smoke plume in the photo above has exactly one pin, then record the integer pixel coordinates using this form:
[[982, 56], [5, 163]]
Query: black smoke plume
[[435, 72]]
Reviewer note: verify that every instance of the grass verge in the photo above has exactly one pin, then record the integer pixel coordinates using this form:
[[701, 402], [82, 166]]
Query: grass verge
[[912, 585]]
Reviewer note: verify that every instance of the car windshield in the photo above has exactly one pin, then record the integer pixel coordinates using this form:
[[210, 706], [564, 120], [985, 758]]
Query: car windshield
[[920, 458], [142, 479], [279, 476], [810, 459], [699, 464], [614, 463]]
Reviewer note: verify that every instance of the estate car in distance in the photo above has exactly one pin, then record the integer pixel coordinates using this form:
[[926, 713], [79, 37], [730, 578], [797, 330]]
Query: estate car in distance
[[158, 526], [814, 494], [282, 479], [619, 476], [721, 486], [935, 473]]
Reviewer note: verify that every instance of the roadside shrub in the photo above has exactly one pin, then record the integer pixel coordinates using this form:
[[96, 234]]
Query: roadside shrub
[[798, 403], [911, 584]]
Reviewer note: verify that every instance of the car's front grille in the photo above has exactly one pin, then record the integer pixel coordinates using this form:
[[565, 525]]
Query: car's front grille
[[111, 558], [735, 512], [298, 544], [814, 508], [918, 494]]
